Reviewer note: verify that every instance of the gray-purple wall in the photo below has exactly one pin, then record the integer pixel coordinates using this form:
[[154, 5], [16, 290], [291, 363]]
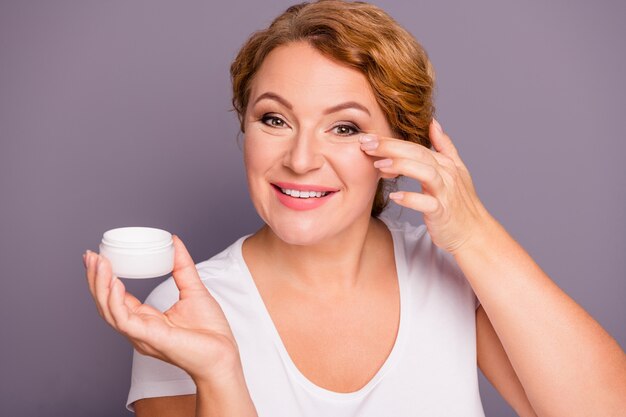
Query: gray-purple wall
[[116, 113]]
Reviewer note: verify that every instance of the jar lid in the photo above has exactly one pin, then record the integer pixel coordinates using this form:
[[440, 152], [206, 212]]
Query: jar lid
[[137, 238]]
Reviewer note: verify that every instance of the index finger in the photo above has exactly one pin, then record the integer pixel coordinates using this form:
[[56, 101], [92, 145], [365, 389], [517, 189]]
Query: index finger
[[388, 147]]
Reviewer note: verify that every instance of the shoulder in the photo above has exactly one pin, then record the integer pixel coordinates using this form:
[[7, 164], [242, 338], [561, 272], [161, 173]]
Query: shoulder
[[213, 272], [416, 241], [423, 258], [411, 239]]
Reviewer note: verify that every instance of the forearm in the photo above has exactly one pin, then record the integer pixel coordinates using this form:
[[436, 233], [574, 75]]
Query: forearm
[[567, 363], [226, 396]]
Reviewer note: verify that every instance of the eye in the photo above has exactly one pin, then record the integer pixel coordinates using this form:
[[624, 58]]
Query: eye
[[273, 121], [346, 129]]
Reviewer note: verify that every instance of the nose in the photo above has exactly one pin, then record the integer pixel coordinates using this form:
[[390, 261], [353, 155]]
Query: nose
[[304, 154]]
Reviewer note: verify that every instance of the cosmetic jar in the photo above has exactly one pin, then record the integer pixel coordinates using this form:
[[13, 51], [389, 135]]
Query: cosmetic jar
[[138, 252]]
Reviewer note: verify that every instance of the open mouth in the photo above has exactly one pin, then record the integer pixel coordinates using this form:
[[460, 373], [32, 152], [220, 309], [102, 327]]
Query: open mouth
[[302, 194]]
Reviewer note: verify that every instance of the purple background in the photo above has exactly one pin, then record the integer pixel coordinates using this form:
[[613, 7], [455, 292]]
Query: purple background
[[116, 113]]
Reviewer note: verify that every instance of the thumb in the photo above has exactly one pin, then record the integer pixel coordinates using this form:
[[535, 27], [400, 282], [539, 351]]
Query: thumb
[[185, 272]]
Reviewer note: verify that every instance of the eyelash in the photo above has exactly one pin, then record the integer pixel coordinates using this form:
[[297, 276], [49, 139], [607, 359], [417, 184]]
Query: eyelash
[[355, 129], [266, 118]]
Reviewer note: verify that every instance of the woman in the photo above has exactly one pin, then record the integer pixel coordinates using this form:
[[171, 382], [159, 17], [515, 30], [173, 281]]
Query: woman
[[330, 311]]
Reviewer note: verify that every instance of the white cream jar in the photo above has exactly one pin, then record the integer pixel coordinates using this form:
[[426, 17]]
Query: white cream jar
[[138, 252]]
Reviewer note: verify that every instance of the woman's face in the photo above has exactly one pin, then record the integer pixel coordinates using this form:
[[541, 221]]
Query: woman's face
[[307, 175]]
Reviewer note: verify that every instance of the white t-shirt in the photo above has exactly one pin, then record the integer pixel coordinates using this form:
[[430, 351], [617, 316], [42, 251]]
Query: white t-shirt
[[431, 370]]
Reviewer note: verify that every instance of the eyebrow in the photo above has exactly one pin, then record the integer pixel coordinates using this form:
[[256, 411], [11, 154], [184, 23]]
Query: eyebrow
[[347, 105]]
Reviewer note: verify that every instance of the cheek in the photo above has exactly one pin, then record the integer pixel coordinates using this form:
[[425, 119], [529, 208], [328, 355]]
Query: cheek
[[258, 160], [258, 157], [354, 167]]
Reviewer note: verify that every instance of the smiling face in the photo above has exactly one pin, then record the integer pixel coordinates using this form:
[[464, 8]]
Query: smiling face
[[307, 175]]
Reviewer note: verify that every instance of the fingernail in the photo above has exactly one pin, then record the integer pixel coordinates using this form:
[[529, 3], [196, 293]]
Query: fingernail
[[396, 196], [437, 125], [382, 163], [369, 146], [85, 259], [367, 138]]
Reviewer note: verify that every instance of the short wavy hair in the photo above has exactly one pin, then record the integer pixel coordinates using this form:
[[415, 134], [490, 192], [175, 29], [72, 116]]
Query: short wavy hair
[[360, 36]]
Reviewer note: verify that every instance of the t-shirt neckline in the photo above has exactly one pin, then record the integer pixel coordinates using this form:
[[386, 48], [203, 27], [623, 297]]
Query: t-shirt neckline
[[399, 343]]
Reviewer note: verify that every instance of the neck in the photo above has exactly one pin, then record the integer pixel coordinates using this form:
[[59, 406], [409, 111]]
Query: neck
[[338, 263]]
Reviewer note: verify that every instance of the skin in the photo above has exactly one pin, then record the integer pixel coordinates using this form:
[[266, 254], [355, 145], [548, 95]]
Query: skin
[[533, 341], [301, 145]]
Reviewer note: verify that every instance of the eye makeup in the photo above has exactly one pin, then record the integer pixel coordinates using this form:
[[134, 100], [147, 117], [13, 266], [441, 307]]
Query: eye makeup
[[342, 131]]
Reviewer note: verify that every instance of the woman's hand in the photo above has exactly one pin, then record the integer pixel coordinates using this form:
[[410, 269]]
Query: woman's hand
[[193, 334], [452, 211]]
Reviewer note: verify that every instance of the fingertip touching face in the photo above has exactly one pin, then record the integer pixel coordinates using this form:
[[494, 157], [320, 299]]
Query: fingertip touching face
[[307, 175]]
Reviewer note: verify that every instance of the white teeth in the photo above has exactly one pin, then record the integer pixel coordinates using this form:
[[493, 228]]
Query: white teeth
[[303, 194]]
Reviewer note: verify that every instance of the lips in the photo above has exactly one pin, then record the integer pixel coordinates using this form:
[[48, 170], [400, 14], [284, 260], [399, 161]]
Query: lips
[[303, 196]]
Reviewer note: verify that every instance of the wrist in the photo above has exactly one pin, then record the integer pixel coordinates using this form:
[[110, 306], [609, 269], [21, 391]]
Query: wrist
[[484, 233], [224, 395], [223, 372]]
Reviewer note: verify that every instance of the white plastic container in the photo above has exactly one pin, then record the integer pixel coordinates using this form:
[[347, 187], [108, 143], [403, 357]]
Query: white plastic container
[[138, 252]]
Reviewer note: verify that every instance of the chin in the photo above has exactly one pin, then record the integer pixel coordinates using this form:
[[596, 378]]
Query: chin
[[301, 233]]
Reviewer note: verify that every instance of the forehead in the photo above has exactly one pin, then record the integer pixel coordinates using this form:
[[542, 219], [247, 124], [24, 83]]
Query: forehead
[[301, 73]]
